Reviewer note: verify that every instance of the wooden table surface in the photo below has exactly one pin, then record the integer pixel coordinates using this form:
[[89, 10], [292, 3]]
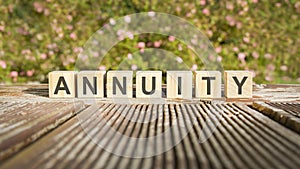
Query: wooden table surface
[[38, 132]]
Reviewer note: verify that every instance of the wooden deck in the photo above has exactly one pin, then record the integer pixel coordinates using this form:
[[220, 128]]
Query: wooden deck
[[38, 132]]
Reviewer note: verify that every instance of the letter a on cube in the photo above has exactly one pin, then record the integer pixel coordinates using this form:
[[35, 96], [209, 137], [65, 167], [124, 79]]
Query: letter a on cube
[[62, 84], [90, 84], [148, 84], [119, 84], [238, 84], [179, 84], [208, 84]]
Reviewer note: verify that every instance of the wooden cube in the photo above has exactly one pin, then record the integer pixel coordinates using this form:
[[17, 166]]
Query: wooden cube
[[148, 84], [208, 84], [62, 84], [238, 84], [179, 84], [119, 84], [90, 84]]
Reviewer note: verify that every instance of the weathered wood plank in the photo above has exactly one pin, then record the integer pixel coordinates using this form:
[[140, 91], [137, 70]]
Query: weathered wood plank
[[282, 112], [237, 137], [23, 123]]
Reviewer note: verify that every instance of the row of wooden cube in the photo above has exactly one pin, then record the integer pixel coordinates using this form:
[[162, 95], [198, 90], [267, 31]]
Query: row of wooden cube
[[90, 84]]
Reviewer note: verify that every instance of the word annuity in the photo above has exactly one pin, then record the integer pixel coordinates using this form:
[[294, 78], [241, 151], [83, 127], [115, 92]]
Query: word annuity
[[119, 84]]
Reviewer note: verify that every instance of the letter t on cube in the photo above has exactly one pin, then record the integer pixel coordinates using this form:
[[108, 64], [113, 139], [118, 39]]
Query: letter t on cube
[[208, 84]]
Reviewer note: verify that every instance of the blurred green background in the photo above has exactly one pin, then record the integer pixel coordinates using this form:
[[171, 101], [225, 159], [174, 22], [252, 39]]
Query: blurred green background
[[40, 36]]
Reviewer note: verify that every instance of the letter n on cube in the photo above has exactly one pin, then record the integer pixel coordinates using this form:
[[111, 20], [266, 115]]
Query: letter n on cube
[[90, 84], [119, 84]]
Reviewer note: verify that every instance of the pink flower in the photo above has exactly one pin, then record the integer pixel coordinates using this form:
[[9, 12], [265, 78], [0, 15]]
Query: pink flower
[[171, 38], [188, 15], [255, 55], [112, 21], [209, 33], [129, 35], [102, 67], [2, 28], [38, 7], [141, 45], [179, 47], [151, 13], [134, 67], [278, 5], [254, 1], [70, 27], [253, 73], [29, 73], [205, 11], [194, 41], [70, 17], [95, 54], [179, 59], [202, 2], [218, 49], [239, 25], [77, 49], [270, 67], [211, 57], [268, 56], [46, 12], [129, 56], [246, 39], [43, 56], [242, 56], [297, 5], [127, 19], [283, 68], [268, 78], [3, 64], [73, 36], [219, 58], [229, 6], [13, 74], [194, 67], [157, 44], [236, 49], [231, 21]]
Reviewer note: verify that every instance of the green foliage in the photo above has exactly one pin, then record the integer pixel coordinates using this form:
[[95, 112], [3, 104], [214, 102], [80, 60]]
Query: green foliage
[[37, 37]]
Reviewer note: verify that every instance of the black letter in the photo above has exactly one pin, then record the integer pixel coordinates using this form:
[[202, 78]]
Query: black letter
[[116, 81], [144, 86], [87, 82], [208, 83], [239, 84], [65, 87], [179, 85]]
